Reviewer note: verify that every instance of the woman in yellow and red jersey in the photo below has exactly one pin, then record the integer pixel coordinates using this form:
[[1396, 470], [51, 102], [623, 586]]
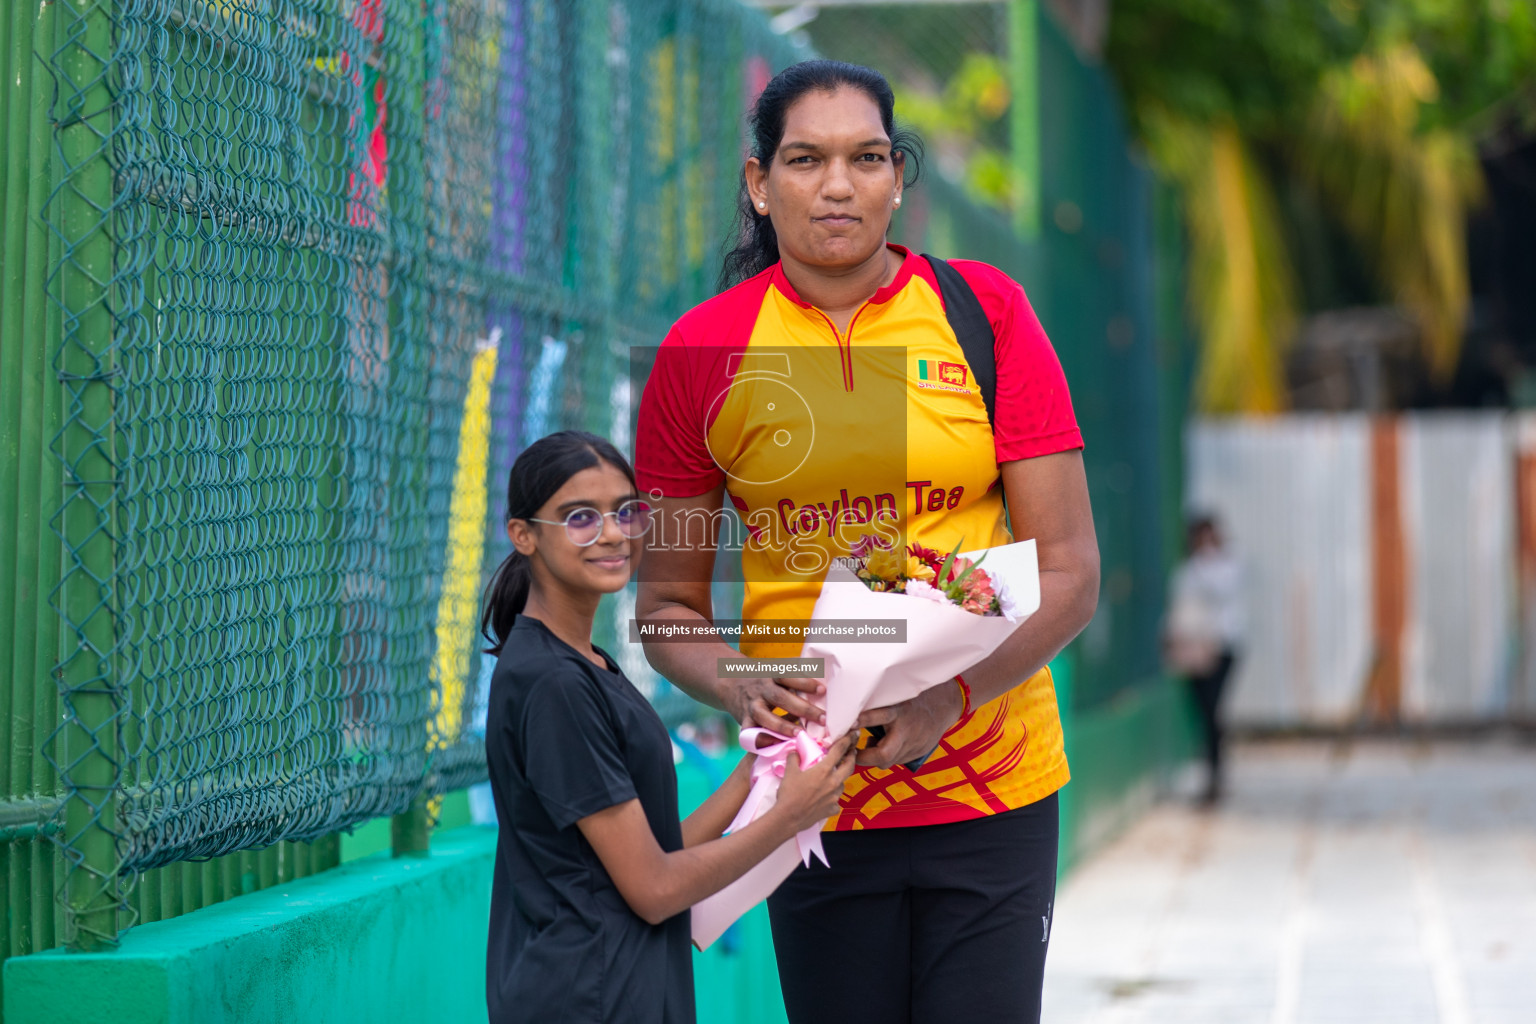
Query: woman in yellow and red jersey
[[825, 395]]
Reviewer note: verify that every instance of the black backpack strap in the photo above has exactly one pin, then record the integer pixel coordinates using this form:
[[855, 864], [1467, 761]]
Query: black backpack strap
[[972, 329]]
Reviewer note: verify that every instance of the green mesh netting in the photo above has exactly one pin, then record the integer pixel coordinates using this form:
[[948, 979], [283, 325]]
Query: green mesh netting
[[323, 268]]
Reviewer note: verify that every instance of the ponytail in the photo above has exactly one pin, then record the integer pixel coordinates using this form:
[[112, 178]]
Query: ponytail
[[505, 598], [541, 470], [757, 244]]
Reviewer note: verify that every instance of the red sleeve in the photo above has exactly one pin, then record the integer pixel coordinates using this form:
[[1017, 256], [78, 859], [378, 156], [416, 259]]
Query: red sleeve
[[692, 368], [1033, 413], [672, 456]]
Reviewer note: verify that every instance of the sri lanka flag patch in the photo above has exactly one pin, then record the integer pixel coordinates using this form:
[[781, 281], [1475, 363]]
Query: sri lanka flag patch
[[953, 374]]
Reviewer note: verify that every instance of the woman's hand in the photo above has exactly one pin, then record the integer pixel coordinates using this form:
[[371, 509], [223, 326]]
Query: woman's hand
[[912, 728], [751, 702], [808, 798]]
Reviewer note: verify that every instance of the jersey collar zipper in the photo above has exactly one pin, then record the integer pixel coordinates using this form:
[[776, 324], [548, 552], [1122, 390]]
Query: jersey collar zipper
[[844, 352]]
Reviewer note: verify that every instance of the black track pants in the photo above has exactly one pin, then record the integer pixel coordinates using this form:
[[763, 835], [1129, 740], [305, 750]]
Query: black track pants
[[1208, 690], [937, 924]]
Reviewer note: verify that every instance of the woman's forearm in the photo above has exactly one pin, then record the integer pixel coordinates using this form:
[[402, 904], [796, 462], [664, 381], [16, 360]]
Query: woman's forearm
[[691, 667], [1047, 500], [1067, 602]]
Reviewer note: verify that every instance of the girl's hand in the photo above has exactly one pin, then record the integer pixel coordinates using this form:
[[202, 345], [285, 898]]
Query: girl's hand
[[808, 798]]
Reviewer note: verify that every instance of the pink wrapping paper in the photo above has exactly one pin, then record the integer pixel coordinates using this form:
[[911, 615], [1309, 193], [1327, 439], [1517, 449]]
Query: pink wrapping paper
[[942, 640]]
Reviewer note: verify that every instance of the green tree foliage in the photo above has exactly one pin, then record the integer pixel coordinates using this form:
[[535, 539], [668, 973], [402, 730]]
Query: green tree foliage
[[946, 63], [1400, 186], [1258, 62], [963, 125], [1372, 106], [1240, 279]]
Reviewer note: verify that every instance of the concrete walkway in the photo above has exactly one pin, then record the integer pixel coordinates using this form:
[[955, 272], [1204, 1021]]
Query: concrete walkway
[[1354, 881]]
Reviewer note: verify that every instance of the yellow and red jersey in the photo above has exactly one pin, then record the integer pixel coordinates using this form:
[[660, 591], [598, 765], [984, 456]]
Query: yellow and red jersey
[[820, 437]]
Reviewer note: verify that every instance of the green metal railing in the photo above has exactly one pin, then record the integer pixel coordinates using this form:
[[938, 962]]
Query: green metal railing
[[30, 479]]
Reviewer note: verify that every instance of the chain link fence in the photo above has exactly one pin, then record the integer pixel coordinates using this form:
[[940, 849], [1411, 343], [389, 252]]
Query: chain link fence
[[315, 271], [318, 270]]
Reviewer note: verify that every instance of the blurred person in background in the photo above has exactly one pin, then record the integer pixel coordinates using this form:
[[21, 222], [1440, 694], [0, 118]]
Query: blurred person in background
[[1203, 632]]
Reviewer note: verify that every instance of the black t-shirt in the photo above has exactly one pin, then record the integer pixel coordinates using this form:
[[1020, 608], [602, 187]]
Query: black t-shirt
[[565, 739]]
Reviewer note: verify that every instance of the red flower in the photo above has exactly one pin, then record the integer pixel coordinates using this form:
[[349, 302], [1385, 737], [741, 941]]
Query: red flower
[[927, 555]]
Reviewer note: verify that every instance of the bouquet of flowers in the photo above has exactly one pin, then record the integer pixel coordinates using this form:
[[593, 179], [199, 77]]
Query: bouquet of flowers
[[976, 610], [923, 572], [956, 614]]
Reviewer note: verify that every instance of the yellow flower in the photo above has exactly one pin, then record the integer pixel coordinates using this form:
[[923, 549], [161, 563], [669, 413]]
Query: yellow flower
[[917, 569], [885, 563]]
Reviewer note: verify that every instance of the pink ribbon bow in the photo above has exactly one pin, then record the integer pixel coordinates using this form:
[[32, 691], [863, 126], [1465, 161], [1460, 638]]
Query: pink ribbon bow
[[767, 771]]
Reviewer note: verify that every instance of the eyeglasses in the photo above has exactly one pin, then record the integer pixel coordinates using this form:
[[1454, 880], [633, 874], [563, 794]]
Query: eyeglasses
[[584, 525]]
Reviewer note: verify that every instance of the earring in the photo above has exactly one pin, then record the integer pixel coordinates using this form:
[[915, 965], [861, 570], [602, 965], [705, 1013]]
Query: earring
[[762, 205], [898, 200]]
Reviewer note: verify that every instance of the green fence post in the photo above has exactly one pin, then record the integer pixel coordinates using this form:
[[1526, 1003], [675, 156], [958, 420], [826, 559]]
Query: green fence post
[[1024, 114], [1173, 363], [1063, 674], [87, 747], [44, 926], [410, 833]]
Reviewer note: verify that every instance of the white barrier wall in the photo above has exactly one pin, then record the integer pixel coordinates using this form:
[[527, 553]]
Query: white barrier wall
[[1294, 496], [1459, 520]]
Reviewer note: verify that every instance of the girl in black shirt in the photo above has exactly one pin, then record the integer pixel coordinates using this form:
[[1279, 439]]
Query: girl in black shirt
[[594, 871]]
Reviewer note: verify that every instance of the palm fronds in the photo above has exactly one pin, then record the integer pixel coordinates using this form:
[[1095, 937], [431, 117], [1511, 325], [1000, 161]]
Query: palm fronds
[[1241, 284], [1401, 192]]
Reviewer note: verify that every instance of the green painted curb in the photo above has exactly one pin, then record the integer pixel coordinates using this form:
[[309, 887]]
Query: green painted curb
[[378, 940]]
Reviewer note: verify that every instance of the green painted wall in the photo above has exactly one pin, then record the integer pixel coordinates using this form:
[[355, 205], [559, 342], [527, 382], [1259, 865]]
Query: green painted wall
[[378, 940], [375, 940], [1124, 754]]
